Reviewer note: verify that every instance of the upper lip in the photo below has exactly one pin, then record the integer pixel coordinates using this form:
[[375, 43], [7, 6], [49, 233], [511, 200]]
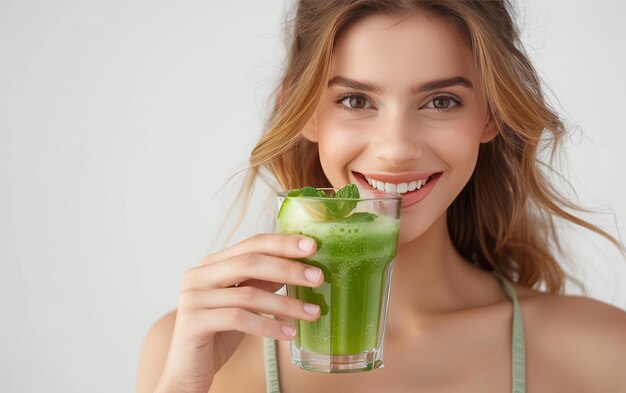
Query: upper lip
[[402, 177]]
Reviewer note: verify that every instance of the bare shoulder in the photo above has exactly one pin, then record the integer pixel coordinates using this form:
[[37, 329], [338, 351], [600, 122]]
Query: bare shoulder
[[578, 315], [154, 352], [584, 335]]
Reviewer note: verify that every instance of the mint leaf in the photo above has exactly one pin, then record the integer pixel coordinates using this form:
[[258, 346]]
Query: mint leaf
[[349, 191], [307, 192], [359, 217], [335, 210], [339, 209]]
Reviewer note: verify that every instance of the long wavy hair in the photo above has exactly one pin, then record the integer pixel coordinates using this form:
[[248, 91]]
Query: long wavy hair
[[504, 218]]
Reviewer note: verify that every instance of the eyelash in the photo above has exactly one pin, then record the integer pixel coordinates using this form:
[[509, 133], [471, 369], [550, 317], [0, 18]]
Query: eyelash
[[459, 102]]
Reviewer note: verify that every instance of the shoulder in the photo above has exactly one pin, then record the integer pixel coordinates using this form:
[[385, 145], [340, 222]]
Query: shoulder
[[579, 315], [582, 334], [154, 352]]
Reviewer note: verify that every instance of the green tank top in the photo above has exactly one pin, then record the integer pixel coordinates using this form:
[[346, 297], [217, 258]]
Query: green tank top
[[518, 362]]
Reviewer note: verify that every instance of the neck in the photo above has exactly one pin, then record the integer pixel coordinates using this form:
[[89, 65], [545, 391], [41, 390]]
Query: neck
[[431, 278]]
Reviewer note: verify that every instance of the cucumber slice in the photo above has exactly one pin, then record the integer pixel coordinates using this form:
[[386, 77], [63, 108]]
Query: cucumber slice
[[302, 209], [298, 206]]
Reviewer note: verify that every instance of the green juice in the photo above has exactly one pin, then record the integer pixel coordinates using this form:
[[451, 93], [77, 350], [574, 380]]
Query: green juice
[[357, 259]]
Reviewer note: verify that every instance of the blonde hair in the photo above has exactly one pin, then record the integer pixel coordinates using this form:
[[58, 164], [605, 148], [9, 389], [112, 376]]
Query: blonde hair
[[503, 219]]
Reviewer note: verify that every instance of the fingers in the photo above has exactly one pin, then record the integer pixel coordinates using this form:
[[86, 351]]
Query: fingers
[[260, 265], [278, 245], [225, 319], [252, 299], [240, 268]]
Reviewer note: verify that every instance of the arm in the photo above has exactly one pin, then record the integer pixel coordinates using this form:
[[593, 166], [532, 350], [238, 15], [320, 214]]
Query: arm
[[154, 353]]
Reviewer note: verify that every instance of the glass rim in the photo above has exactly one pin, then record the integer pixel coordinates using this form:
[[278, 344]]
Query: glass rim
[[388, 195]]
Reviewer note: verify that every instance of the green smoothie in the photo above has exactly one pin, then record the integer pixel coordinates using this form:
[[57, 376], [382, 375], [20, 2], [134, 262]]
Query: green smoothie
[[356, 258]]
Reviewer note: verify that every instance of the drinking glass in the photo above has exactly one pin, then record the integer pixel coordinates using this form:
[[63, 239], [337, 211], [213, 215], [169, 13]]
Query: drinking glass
[[356, 254]]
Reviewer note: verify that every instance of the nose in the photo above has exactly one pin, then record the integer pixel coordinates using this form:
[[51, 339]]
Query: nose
[[397, 142]]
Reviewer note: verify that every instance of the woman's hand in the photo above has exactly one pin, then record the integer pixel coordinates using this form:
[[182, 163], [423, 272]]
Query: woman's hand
[[221, 299]]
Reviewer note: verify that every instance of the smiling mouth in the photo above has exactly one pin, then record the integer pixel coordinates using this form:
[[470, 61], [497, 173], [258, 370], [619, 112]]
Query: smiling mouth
[[403, 188], [412, 192]]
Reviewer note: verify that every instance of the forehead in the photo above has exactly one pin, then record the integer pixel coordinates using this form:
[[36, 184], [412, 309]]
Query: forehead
[[396, 54]]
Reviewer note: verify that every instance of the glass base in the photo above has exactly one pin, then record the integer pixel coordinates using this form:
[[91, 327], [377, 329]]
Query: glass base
[[364, 361]]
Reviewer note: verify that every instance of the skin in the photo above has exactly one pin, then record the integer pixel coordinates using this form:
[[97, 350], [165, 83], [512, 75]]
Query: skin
[[449, 323]]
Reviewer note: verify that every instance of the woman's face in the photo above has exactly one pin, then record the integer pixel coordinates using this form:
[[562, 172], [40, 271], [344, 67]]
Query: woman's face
[[403, 99]]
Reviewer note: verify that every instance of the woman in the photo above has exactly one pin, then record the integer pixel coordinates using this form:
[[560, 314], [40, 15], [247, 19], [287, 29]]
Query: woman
[[385, 92]]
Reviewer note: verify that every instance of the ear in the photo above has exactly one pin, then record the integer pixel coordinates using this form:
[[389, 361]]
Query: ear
[[309, 131], [490, 130]]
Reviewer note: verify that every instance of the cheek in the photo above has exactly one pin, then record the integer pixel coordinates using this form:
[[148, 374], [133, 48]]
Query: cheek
[[338, 145], [459, 150]]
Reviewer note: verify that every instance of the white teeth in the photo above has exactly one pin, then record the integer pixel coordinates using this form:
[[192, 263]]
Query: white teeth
[[400, 188], [390, 187]]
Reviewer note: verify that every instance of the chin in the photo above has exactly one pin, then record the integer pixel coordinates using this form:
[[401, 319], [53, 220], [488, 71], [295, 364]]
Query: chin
[[412, 228], [410, 231]]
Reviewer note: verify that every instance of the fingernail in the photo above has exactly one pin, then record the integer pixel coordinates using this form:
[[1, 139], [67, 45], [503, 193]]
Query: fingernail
[[288, 330], [311, 308], [306, 244], [312, 274]]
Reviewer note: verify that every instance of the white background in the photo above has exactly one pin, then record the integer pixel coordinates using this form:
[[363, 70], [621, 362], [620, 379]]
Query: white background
[[120, 121]]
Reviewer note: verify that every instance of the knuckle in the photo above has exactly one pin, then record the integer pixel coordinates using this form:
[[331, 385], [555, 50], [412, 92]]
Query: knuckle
[[236, 316], [187, 279], [291, 269], [248, 261], [190, 318], [258, 238], [286, 242], [207, 260], [293, 306], [196, 299], [186, 299], [247, 293]]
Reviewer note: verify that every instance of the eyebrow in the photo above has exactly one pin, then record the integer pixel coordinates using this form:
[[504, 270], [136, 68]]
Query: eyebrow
[[421, 88]]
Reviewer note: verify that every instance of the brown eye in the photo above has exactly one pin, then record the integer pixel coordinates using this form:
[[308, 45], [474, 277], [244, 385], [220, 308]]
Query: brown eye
[[355, 103], [443, 103]]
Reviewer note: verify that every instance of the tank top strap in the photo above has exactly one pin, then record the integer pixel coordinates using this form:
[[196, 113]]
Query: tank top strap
[[272, 384], [519, 355]]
